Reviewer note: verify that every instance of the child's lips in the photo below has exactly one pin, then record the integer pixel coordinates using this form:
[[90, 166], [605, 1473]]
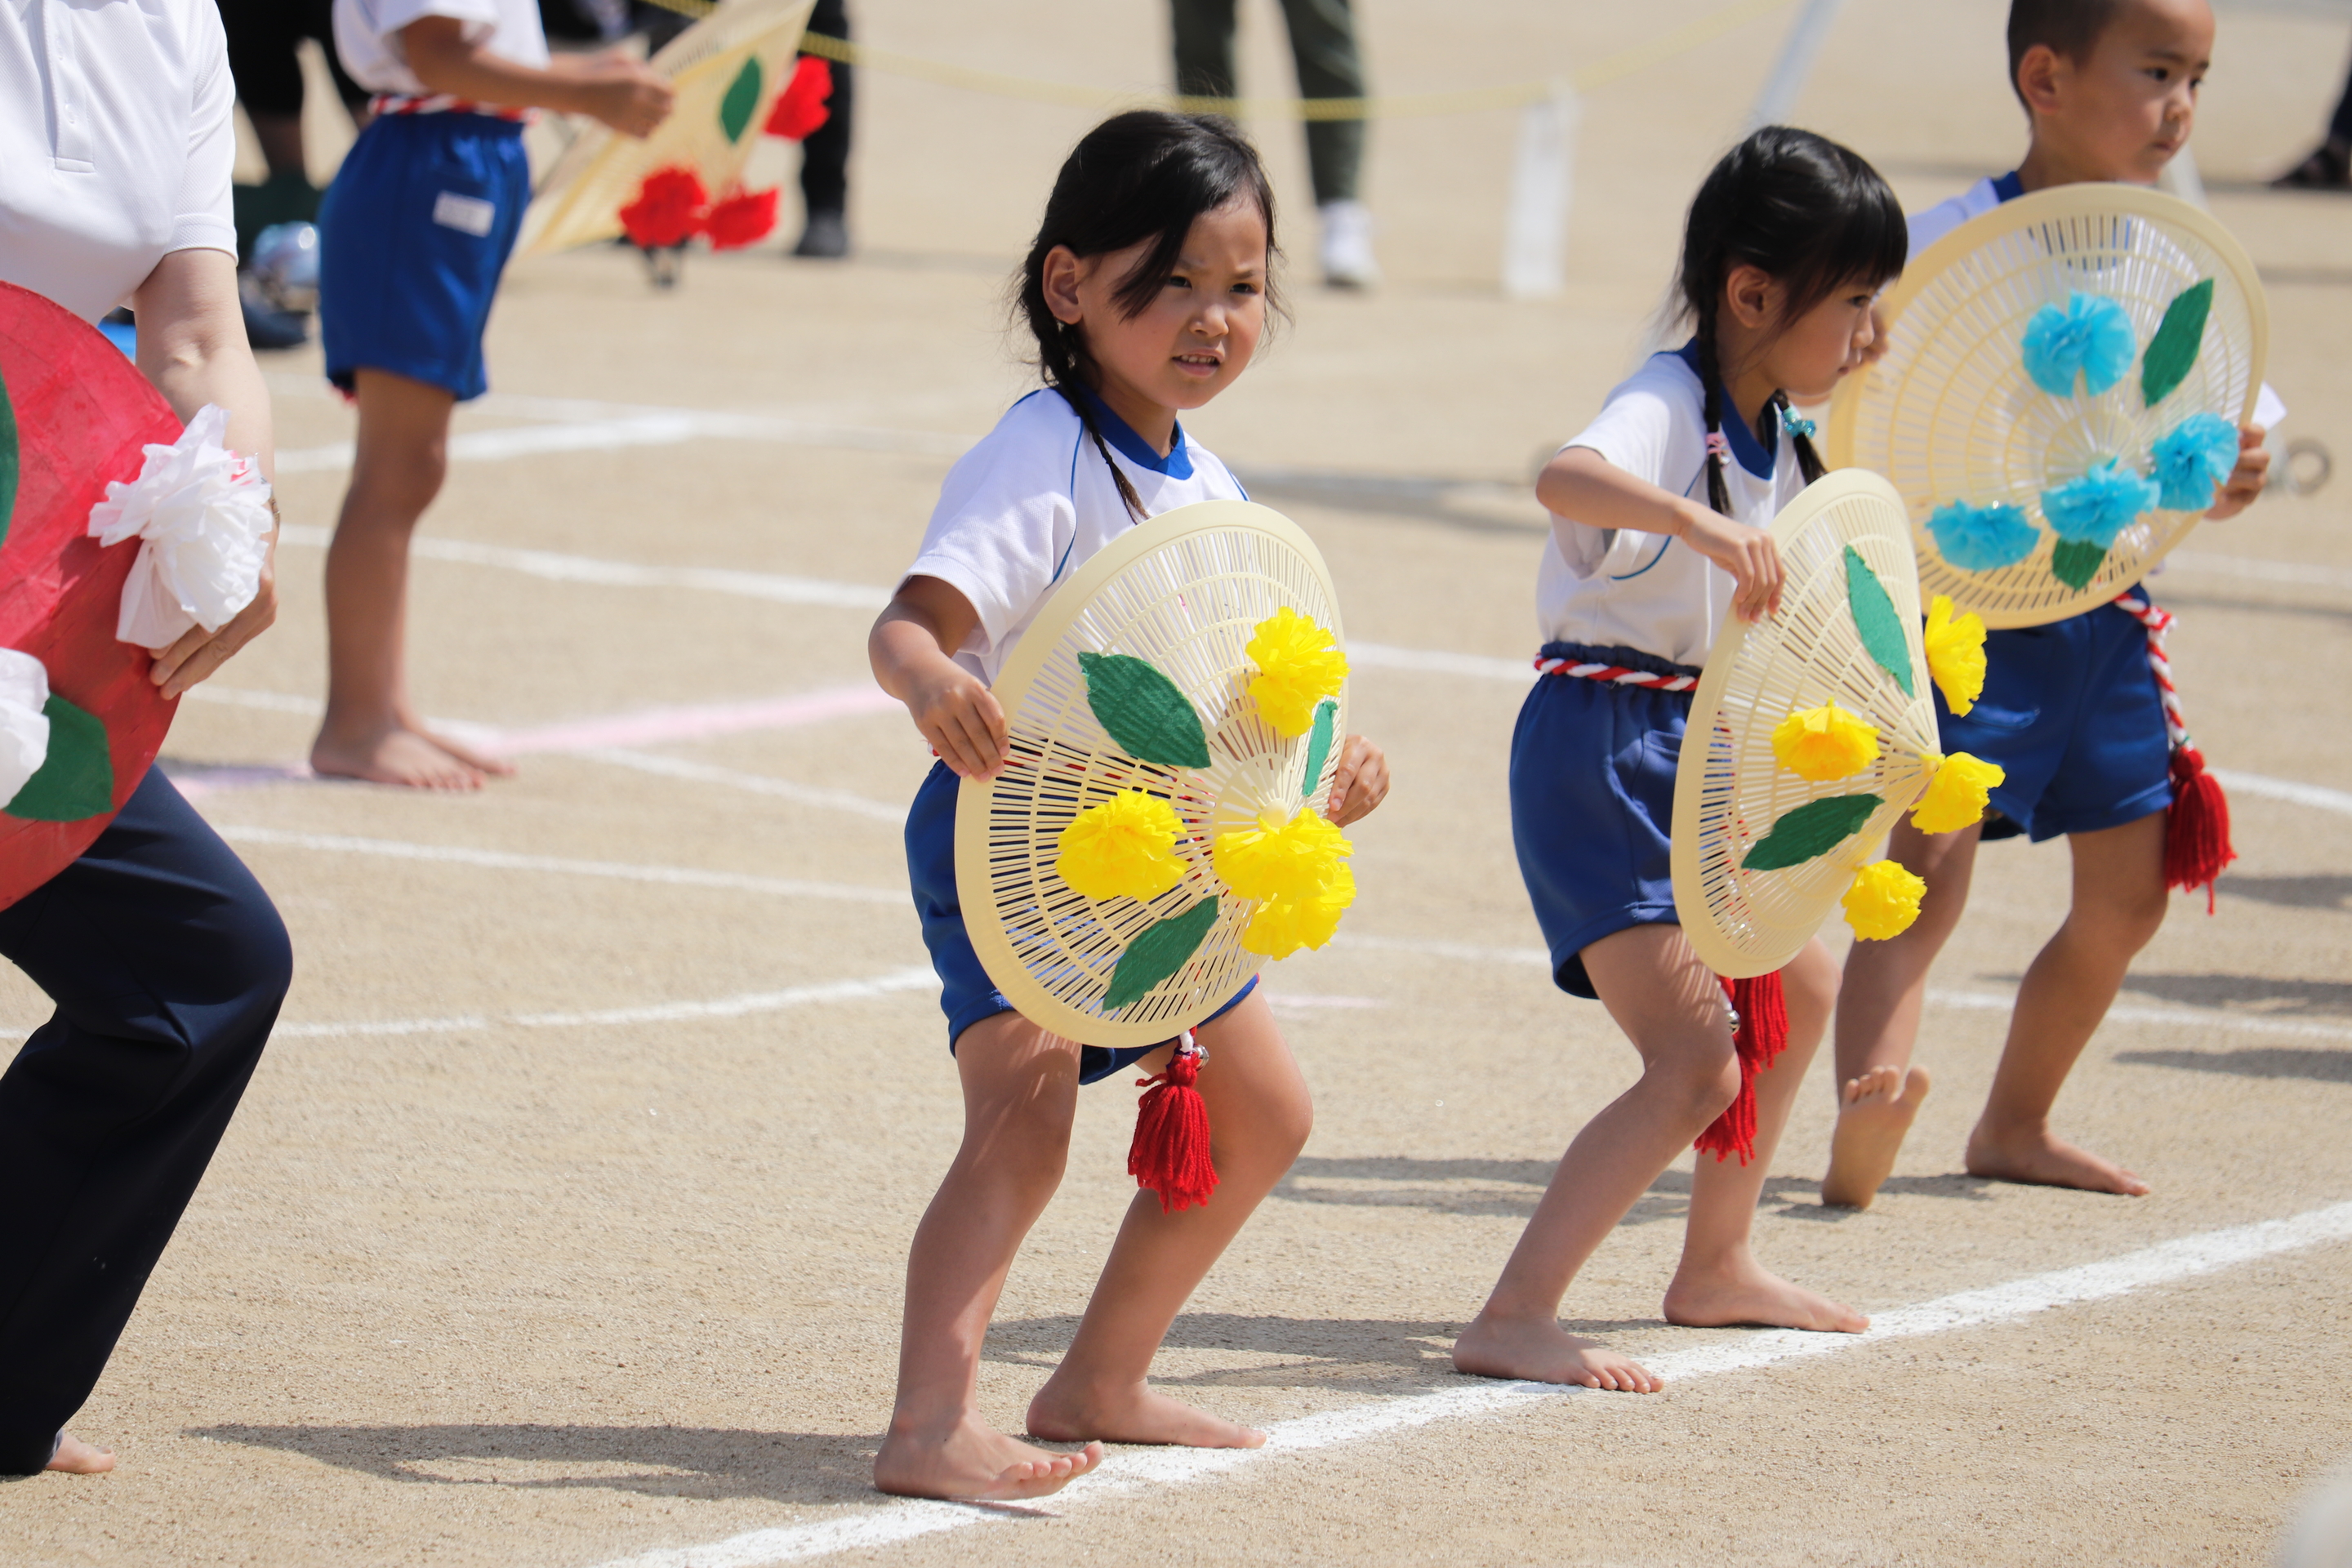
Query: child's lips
[[1202, 365]]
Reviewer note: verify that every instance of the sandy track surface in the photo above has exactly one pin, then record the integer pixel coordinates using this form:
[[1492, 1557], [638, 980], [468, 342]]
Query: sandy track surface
[[564, 1222]]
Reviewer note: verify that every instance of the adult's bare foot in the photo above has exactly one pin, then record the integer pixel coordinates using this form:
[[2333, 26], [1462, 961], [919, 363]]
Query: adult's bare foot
[[969, 1462], [394, 756], [1063, 1413], [1874, 1113], [2037, 1157], [1545, 1352], [1747, 1293], [76, 1457]]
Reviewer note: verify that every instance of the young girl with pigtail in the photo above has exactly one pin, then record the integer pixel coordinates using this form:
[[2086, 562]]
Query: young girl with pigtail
[[1147, 291], [1659, 521]]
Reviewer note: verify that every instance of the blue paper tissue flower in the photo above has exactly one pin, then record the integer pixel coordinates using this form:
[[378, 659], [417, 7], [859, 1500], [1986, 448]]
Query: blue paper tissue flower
[[2096, 508], [1982, 538], [2091, 337], [2192, 459]]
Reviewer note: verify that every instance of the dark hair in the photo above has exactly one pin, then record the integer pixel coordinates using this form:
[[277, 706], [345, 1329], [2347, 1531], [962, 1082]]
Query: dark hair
[[2069, 27], [1142, 175], [1808, 212]]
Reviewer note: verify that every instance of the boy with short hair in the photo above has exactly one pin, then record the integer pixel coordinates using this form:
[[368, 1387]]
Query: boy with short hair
[[2070, 710], [414, 234]]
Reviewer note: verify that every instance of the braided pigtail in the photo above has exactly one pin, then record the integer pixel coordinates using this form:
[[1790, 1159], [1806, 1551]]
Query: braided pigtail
[[1719, 450], [1801, 435]]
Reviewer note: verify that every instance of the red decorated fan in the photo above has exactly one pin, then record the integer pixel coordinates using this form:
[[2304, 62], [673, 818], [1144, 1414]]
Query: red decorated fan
[[74, 414]]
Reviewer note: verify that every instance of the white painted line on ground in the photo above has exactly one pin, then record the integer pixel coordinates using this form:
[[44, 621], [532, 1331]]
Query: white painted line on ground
[[2288, 790], [752, 783], [1433, 661], [1471, 952], [501, 860], [2302, 573], [1130, 1473], [894, 982], [641, 427]]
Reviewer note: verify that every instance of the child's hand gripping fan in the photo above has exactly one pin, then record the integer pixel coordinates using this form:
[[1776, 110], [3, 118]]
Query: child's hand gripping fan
[[122, 531], [1810, 734], [1176, 711]]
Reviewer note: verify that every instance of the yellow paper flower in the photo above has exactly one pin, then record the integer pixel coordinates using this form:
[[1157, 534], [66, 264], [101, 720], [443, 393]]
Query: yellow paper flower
[[1825, 743], [1958, 795], [1883, 902], [1282, 862], [1123, 848], [1956, 655], [1280, 930], [1298, 664]]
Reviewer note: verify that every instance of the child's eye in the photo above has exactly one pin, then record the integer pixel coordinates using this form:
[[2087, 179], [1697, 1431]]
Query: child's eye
[[1178, 280], [2160, 73], [1244, 287]]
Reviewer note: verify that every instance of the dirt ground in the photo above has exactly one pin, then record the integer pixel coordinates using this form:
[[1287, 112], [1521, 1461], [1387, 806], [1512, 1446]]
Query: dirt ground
[[565, 1221]]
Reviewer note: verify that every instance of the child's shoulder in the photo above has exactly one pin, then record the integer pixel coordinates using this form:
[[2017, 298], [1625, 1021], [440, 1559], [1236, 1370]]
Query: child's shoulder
[[1934, 223], [1663, 386]]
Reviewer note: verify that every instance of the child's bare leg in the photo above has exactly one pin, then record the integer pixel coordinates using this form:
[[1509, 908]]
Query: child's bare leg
[[1019, 1092], [1259, 1116], [2119, 901], [1878, 1011], [370, 731], [76, 1457], [1672, 1010], [1719, 1280]]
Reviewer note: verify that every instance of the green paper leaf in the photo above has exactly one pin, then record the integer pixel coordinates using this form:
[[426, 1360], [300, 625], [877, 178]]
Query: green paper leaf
[[1163, 949], [1319, 746], [1874, 618], [743, 97], [2076, 561], [2178, 337], [1145, 715], [78, 778], [8, 460], [1812, 829]]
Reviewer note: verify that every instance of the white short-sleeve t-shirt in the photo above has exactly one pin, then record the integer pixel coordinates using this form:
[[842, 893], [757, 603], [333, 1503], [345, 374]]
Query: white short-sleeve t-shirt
[[367, 36], [1649, 592], [1032, 502], [116, 139]]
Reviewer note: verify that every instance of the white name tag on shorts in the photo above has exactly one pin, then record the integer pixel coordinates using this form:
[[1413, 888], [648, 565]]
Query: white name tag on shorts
[[468, 215]]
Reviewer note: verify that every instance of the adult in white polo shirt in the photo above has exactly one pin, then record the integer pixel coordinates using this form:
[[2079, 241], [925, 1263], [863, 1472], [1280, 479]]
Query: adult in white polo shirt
[[164, 956]]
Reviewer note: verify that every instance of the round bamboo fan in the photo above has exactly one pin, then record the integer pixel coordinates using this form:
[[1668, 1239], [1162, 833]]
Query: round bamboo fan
[[1729, 789], [726, 71], [1951, 414], [1185, 591]]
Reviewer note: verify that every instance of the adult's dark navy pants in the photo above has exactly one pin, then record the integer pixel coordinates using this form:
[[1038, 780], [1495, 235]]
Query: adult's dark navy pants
[[167, 963]]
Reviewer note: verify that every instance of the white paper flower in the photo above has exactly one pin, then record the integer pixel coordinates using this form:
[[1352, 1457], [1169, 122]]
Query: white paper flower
[[200, 512], [23, 727]]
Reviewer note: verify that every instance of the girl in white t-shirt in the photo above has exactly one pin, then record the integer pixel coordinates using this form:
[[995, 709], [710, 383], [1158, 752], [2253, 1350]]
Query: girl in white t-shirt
[[1658, 530], [1146, 290]]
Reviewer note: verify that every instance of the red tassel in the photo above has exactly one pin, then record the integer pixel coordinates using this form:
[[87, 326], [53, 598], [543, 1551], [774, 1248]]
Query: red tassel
[[669, 211], [1761, 1035], [800, 108], [2197, 830], [1170, 1151], [746, 217]]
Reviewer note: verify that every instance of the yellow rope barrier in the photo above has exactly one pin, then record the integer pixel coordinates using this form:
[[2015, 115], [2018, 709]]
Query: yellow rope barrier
[[1514, 95]]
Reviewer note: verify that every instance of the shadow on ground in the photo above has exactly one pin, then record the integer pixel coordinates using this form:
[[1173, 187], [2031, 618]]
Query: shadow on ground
[[2256, 996], [2319, 1065], [2323, 891], [1509, 1189]]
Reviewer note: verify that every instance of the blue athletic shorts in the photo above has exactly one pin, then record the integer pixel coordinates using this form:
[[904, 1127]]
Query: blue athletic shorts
[[2071, 712], [1592, 802], [967, 995], [412, 237]]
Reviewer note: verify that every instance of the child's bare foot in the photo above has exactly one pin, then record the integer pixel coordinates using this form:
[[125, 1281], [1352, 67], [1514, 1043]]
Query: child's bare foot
[[1140, 1414], [970, 1462], [2038, 1158], [472, 756], [1545, 1352], [76, 1457], [1874, 1113], [394, 755], [1748, 1293]]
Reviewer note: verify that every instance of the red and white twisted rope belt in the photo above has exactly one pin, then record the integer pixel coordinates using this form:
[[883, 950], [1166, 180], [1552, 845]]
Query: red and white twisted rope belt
[[2159, 623], [443, 103], [1616, 674]]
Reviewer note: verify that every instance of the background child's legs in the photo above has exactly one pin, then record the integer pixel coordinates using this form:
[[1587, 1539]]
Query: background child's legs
[[1020, 1093], [1718, 1280], [1879, 1006], [2119, 901], [1259, 1117], [370, 731]]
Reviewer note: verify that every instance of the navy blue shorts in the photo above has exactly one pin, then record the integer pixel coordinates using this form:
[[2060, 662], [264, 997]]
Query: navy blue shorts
[[412, 237], [1592, 802], [967, 995], [2071, 712]]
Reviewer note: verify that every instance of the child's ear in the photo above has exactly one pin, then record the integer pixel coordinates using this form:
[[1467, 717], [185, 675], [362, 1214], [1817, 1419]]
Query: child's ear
[[1751, 296], [2042, 78], [1062, 274]]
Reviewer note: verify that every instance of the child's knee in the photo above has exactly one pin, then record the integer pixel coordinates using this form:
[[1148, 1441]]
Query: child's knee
[[1702, 1083]]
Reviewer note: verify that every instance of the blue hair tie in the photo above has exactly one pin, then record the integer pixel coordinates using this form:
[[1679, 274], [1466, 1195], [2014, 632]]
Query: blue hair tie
[[1797, 427]]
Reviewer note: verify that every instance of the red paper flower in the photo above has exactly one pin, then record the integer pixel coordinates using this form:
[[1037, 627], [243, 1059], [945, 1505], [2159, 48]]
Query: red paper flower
[[741, 218], [670, 209], [800, 108]]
